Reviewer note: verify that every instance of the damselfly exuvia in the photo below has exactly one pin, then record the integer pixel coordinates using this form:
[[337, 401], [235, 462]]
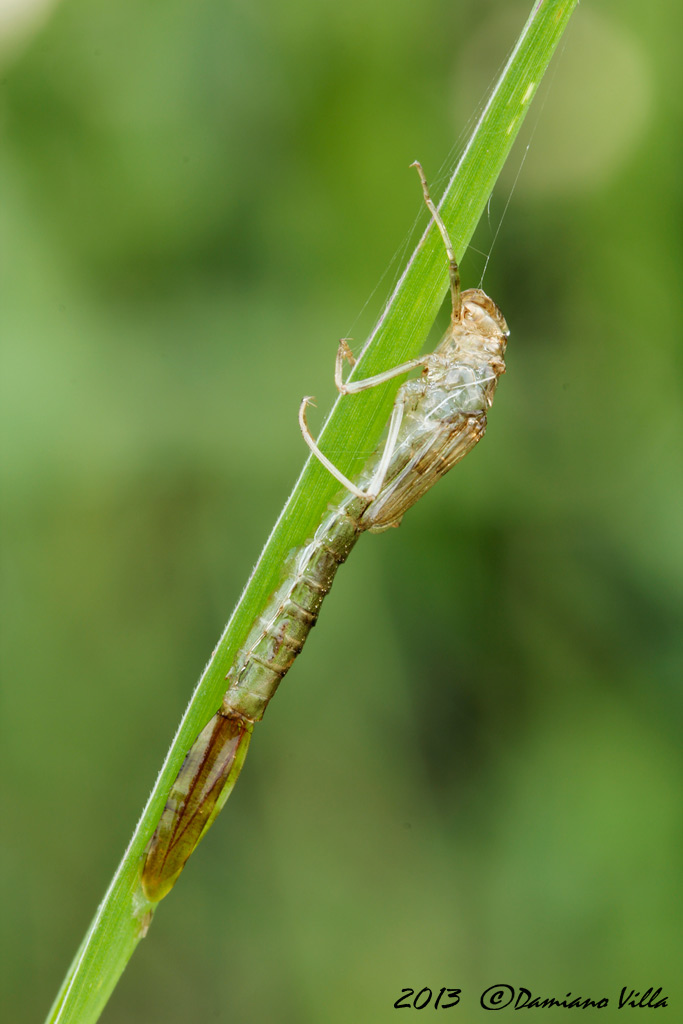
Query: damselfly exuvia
[[436, 420]]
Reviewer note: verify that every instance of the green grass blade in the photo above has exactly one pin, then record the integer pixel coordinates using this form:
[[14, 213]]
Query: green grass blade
[[352, 426]]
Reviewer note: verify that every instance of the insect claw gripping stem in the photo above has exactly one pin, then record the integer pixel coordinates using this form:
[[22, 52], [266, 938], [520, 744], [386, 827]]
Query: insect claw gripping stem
[[343, 353], [436, 420]]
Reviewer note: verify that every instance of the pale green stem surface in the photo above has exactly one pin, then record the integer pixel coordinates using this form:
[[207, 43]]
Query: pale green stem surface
[[352, 426]]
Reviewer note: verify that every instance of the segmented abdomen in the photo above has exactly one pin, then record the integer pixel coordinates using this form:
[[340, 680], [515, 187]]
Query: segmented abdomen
[[282, 631], [215, 759]]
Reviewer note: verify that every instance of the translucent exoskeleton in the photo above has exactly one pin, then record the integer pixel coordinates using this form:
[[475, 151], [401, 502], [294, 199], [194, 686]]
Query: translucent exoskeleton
[[436, 420]]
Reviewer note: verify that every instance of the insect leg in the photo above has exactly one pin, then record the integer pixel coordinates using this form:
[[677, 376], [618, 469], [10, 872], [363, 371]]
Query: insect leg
[[330, 466], [355, 386], [380, 473], [389, 448], [453, 271]]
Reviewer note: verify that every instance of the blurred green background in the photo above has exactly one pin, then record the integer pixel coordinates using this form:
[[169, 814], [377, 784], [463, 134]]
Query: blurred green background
[[473, 774]]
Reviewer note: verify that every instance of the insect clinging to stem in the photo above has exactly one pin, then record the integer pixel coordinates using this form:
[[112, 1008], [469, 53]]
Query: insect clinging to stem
[[435, 421]]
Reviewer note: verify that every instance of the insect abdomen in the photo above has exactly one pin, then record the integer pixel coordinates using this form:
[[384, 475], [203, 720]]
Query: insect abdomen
[[257, 673]]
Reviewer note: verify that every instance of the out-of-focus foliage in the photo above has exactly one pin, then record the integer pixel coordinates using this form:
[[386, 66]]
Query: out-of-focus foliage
[[473, 774]]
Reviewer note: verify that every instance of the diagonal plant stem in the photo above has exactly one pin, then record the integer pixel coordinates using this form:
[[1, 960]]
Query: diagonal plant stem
[[351, 427]]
